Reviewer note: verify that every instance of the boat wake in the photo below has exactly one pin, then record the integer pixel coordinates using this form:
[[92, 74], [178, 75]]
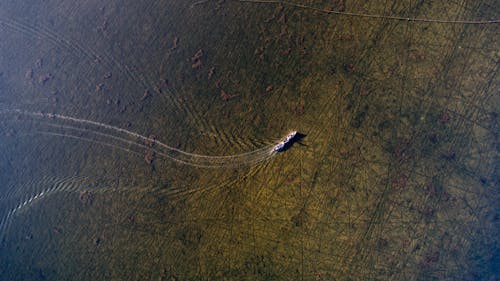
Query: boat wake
[[87, 130]]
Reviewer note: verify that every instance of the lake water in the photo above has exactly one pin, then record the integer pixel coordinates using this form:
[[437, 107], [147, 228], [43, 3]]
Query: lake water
[[136, 140]]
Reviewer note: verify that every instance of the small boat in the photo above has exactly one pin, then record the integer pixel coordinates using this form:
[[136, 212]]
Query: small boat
[[285, 142]]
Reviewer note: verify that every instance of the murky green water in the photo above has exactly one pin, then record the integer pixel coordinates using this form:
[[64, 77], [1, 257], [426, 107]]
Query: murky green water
[[395, 179]]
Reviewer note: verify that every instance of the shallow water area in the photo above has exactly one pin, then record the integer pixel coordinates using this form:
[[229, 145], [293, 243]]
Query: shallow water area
[[137, 140]]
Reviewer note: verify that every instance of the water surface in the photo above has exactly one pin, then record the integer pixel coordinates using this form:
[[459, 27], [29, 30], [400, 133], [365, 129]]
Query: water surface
[[395, 179]]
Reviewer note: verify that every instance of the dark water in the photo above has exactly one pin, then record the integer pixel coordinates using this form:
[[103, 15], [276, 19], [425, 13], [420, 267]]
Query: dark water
[[136, 141]]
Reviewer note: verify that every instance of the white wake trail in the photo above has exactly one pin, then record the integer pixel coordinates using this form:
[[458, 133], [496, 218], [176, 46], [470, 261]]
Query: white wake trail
[[161, 149]]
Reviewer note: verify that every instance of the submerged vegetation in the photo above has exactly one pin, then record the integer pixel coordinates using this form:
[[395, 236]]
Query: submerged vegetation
[[167, 113]]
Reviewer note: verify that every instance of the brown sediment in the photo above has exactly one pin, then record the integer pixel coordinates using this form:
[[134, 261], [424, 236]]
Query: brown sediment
[[445, 118], [103, 26], [197, 56], [131, 218], [197, 64], [211, 72], [337, 6], [149, 156], [39, 63], [99, 87], [218, 83], [151, 140], [42, 79], [29, 74], [349, 68], [363, 91], [282, 19], [146, 95], [87, 197], [174, 43], [196, 59], [300, 109], [225, 96]]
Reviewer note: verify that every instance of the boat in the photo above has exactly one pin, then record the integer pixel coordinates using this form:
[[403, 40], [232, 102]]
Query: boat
[[282, 145]]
